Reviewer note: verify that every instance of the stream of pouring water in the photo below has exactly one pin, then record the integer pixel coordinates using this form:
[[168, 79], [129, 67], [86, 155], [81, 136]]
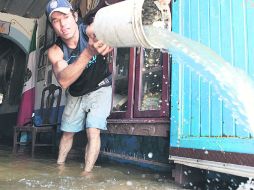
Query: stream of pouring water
[[234, 87]]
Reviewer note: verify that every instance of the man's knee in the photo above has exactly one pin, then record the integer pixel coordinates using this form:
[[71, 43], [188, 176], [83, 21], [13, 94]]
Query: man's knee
[[93, 134], [68, 136]]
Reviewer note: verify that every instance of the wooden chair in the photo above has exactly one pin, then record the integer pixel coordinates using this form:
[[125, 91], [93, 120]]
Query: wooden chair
[[48, 119]]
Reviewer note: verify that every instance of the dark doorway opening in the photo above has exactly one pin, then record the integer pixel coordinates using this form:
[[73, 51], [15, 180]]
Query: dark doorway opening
[[12, 73]]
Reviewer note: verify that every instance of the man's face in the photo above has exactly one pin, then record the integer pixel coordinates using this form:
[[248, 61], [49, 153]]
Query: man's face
[[64, 25]]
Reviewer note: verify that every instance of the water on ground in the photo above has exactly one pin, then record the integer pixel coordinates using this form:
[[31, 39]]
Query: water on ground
[[18, 172]]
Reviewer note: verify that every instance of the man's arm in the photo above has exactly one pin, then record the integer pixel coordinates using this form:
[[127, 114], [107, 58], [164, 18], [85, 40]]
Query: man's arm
[[67, 74]]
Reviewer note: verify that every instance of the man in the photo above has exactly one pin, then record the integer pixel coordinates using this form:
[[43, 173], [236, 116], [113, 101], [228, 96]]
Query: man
[[79, 67]]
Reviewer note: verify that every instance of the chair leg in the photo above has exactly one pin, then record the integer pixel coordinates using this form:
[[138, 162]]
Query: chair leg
[[15, 140], [33, 141], [54, 138], [54, 141]]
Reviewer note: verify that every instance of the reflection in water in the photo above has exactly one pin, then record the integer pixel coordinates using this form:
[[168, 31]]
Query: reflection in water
[[42, 172], [233, 85]]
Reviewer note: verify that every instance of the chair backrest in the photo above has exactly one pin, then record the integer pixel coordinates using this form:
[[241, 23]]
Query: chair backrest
[[50, 103]]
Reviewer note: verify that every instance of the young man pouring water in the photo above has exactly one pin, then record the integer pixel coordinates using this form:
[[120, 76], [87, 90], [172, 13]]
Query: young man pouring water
[[79, 65]]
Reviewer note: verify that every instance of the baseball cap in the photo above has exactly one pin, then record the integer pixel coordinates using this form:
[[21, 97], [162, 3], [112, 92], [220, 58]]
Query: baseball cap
[[62, 6]]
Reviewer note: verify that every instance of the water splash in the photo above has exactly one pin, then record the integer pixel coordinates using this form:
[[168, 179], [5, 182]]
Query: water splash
[[247, 186], [232, 84]]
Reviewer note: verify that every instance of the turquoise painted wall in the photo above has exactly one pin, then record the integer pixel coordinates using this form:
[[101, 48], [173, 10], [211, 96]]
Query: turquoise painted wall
[[199, 119]]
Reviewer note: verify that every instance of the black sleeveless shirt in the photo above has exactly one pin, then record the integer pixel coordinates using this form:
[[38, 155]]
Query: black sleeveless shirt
[[96, 70]]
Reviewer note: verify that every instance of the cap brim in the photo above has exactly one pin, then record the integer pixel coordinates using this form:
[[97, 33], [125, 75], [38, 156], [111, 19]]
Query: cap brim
[[64, 10]]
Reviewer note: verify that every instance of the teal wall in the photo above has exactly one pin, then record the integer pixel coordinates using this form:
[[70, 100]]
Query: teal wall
[[199, 119]]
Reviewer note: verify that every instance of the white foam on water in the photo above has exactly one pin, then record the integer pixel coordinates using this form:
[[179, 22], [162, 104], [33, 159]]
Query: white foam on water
[[233, 85]]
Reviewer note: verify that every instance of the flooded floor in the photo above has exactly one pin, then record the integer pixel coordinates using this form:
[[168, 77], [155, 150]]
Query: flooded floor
[[22, 172]]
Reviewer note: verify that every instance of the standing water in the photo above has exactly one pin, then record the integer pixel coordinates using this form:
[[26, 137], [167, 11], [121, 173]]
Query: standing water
[[235, 88], [22, 172]]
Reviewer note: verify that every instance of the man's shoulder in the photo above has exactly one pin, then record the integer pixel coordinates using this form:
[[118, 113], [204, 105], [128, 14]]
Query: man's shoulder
[[82, 27], [54, 49], [82, 24], [59, 42]]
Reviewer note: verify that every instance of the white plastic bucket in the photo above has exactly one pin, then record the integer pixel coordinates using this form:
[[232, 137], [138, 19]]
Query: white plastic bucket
[[120, 25]]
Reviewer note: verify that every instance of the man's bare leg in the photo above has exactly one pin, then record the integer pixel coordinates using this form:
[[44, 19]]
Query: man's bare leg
[[92, 149], [65, 146]]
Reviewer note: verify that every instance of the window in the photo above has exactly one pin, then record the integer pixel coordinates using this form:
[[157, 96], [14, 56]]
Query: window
[[150, 96], [140, 84], [121, 75], [151, 84]]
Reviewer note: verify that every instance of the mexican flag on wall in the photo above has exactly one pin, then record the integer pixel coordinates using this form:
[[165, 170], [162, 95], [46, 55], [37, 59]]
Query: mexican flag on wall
[[28, 95]]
